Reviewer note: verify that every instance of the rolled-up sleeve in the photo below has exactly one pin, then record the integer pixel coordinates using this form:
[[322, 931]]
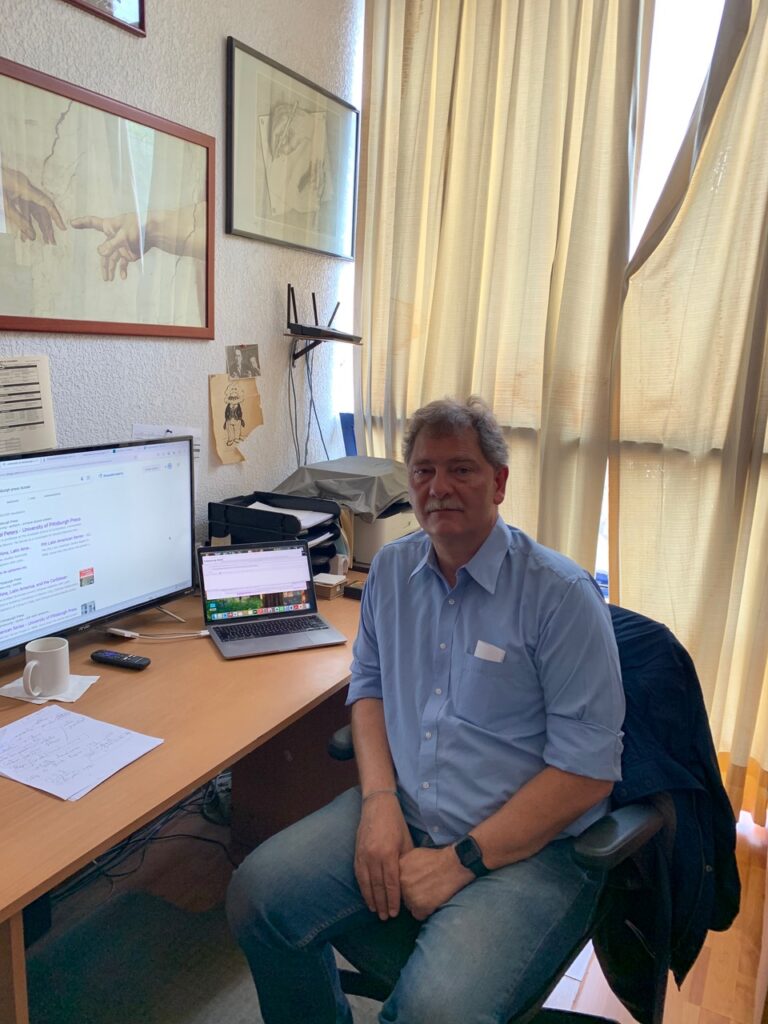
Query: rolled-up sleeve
[[366, 668], [580, 674]]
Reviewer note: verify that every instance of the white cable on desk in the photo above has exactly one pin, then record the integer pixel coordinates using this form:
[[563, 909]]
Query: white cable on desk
[[128, 634]]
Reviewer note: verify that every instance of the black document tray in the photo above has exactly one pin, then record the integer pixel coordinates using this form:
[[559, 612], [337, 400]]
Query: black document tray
[[232, 518]]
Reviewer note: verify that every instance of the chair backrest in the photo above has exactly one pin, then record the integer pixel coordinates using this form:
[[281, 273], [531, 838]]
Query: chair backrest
[[688, 875]]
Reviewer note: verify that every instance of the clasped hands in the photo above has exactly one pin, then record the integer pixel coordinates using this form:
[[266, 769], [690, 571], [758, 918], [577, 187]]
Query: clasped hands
[[390, 869]]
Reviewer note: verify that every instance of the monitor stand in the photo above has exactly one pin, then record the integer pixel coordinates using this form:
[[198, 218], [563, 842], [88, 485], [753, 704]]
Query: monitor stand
[[171, 615]]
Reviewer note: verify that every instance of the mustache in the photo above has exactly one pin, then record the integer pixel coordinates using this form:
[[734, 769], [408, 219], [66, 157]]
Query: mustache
[[442, 506]]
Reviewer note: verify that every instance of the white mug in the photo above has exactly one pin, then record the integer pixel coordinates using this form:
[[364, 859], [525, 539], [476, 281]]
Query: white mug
[[46, 673]]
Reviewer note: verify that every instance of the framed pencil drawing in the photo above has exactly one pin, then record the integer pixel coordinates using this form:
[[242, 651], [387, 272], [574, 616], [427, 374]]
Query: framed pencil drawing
[[107, 214], [292, 154], [128, 14]]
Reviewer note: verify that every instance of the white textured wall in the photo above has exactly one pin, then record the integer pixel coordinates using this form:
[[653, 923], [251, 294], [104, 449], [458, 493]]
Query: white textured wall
[[103, 385]]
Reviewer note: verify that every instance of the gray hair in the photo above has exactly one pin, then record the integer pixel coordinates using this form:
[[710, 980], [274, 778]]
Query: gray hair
[[446, 417]]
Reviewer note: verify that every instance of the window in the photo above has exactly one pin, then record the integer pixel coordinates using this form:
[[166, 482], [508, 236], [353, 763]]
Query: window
[[684, 34]]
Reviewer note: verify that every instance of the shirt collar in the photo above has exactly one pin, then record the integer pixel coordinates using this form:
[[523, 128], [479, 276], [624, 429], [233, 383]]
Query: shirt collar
[[485, 564], [428, 558]]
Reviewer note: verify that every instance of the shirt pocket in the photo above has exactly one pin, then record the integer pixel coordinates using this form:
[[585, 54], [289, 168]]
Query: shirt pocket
[[497, 695]]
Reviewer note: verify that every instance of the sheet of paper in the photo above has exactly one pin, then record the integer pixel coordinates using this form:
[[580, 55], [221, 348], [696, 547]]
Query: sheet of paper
[[306, 517], [67, 754], [329, 579], [148, 431], [319, 540], [26, 405]]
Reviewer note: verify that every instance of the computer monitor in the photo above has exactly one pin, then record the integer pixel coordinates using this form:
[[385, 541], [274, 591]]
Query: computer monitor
[[90, 534]]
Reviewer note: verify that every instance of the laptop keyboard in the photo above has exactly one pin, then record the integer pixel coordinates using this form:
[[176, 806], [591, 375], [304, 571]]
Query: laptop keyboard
[[250, 630]]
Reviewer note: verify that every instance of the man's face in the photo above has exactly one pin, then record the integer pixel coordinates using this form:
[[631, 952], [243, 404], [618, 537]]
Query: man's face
[[454, 490]]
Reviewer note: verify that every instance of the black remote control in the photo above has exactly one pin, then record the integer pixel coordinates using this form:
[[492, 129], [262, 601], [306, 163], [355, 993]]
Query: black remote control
[[134, 661]]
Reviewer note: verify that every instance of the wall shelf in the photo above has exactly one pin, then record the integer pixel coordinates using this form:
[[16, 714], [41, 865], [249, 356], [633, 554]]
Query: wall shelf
[[313, 334]]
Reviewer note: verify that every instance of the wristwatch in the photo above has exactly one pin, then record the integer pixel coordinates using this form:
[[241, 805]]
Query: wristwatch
[[471, 856]]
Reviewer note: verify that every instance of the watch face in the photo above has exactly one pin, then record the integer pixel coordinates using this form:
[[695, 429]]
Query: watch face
[[471, 856], [464, 848]]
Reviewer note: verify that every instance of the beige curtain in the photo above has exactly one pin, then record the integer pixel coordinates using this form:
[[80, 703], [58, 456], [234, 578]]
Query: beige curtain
[[496, 174], [689, 483]]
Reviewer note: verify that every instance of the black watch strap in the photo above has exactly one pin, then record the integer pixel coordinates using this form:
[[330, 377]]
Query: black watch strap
[[471, 856]]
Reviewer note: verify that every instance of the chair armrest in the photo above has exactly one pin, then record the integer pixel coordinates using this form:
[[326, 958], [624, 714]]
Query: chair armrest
[[616, 836], [340, 745]]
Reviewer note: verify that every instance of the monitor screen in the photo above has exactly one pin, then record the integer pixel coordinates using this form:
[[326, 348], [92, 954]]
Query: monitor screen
[[88, 534]]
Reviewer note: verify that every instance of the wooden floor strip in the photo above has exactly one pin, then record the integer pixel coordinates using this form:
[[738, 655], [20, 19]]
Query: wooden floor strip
[[721, 986]]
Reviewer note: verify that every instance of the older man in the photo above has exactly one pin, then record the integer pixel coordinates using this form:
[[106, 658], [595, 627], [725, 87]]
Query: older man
[[486, 712]]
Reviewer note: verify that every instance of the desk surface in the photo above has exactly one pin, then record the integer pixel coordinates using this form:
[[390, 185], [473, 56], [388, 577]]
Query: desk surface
[[210, 712]]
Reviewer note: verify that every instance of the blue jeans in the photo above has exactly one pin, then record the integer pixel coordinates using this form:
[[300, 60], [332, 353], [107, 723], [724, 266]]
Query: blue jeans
[[481, 958]]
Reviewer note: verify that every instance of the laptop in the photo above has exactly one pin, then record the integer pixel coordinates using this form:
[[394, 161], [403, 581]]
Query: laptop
[[260, 599]]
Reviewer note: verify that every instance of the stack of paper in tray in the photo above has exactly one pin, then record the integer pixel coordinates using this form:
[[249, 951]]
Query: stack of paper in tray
[[264, 516]]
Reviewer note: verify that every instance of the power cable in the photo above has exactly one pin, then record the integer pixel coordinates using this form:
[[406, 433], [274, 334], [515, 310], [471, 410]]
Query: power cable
[[312, 406], [206, 801], [293, 416]]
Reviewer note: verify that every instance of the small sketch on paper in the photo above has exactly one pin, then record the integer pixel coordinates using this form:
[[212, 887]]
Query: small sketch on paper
[[234, 424], [235, 411]]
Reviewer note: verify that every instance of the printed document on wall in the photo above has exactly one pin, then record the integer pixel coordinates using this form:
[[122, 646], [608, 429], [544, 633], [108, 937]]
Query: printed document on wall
[[26, 405]]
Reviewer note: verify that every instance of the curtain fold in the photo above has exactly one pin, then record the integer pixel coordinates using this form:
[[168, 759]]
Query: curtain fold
[[497, 179], [689, 482]]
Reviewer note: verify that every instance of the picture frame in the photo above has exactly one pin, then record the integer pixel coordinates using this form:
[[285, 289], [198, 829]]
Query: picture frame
[[106, 214], [128, 14], [292, 155]]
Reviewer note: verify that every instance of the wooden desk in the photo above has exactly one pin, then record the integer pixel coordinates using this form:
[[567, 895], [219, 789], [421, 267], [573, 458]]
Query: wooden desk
[[211, 713]]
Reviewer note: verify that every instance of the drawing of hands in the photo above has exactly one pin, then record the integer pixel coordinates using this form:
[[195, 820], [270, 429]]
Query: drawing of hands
[[179, 232], [123, 244], [305, 183], [26, 205], [314, 180]]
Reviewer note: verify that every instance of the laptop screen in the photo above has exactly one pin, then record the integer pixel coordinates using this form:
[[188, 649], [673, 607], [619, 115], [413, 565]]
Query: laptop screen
[[245, 581]]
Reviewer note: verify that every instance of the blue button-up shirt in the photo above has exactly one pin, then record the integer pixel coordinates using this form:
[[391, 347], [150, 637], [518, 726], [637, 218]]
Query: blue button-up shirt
[[486, 684]]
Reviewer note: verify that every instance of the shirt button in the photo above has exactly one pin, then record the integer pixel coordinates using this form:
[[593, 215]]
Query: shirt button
[[438, 691], [451, 601], [427, 735], [425, 785], [442, 647]]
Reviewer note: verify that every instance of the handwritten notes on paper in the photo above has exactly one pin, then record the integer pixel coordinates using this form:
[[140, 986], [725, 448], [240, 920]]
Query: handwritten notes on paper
[[67, 754]]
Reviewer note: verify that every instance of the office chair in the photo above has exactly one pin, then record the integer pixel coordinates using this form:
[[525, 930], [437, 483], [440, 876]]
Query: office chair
[[666, 737], [608, 845]]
